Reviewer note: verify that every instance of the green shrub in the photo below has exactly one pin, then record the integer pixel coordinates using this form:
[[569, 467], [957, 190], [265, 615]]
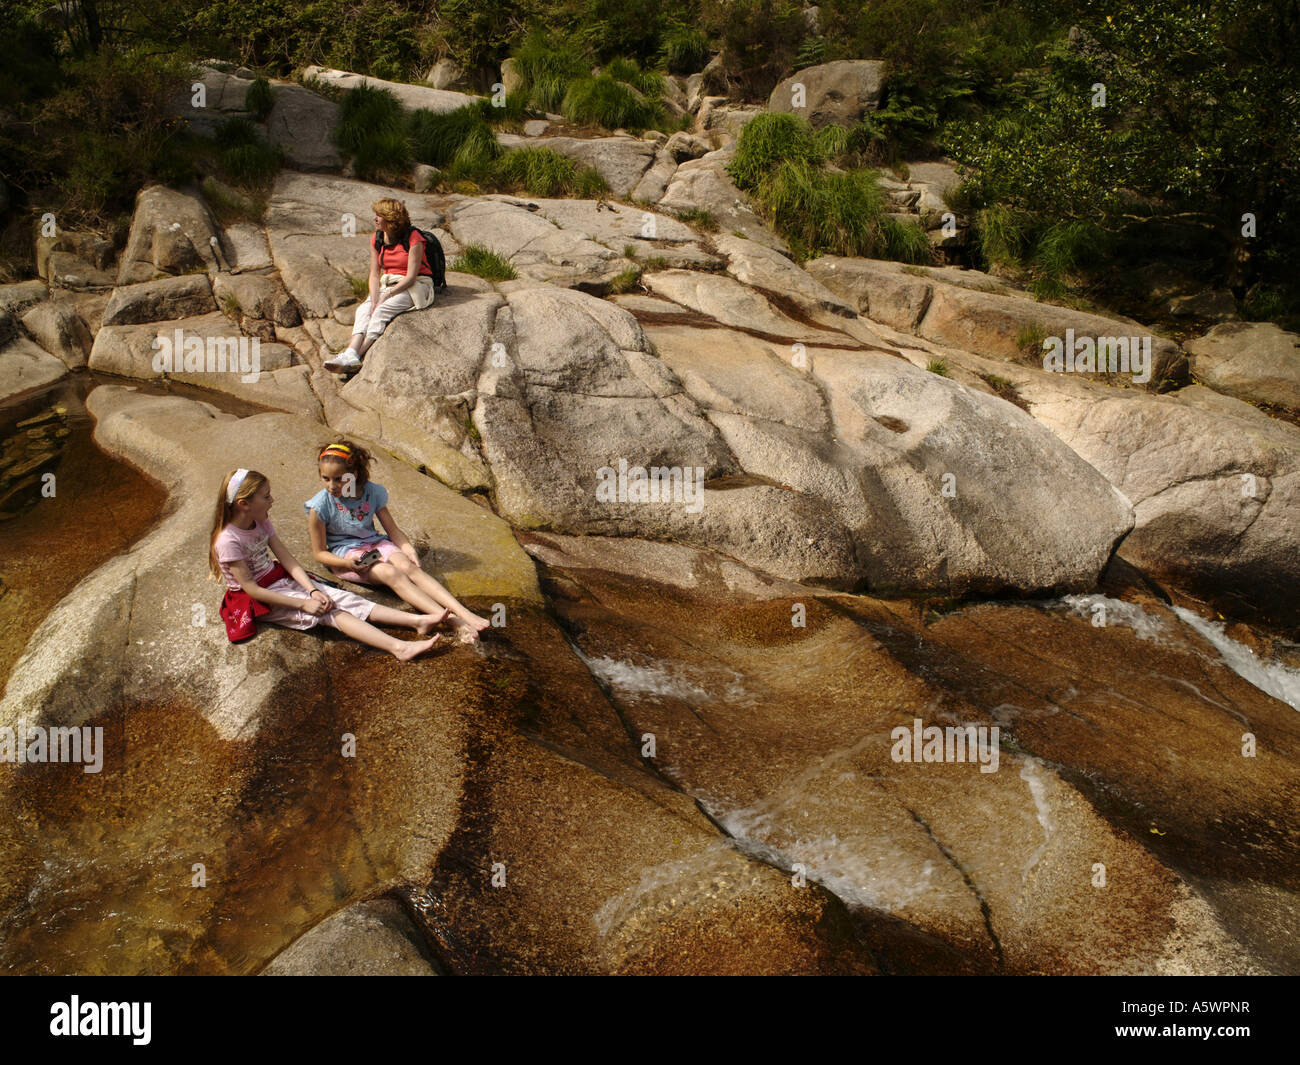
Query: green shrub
[[246, 158], [840, 213], [460, 139], [482, 261], [760, 39], [540, 171], [258, 100], [685, 50], [626, 281], [605, 101], [366, 113], [699, 218], [547, 64], [767, 141], [906, 242], [649, 83], [938, 366], [590, 184]]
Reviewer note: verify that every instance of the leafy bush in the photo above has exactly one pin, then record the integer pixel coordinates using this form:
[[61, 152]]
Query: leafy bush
[[482, 261], [760, 39], [626, 281]]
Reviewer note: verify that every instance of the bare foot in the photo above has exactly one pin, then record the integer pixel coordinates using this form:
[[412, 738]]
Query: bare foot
[[427, 621], [472, 619], [467, 632], [412, 648]]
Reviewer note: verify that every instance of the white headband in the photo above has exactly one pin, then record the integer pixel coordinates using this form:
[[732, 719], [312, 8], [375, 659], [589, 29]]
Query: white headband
[[235, 482]]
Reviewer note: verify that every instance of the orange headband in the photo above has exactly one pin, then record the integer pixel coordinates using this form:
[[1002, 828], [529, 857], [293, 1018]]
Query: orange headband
[[341, 450]]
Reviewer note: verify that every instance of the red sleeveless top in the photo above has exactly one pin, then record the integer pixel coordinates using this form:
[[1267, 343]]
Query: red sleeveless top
[[393, 258]]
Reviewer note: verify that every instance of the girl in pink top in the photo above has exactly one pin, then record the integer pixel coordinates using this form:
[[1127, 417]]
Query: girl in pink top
[[240, 549]]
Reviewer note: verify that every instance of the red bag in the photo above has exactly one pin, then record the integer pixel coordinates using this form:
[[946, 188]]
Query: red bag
[[240, 611]]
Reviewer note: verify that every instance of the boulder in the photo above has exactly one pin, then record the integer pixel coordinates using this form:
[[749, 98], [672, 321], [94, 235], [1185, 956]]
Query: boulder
[[1255, 361], [654, 182], [172, 232], [244, 246], [621, 161], [18, 296], [535, 127], [758, 266], [933, 181], [25, 367], [683, 146], [420, 380], [1215, 305], [412, 97], [993, 323], [727, 301], [1214, 483], [229, 362], [445, 74], [302, 123], [511, 79], [373, 938], [186, 296], [704, 185], [537, 248], [86, 253], [838, 93], [57, 327], [255, 296]]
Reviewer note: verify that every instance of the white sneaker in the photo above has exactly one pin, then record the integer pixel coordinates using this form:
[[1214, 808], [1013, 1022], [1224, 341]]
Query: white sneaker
[[345, 362]]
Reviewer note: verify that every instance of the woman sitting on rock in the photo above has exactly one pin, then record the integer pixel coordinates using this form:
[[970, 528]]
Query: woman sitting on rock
[[401, 277]]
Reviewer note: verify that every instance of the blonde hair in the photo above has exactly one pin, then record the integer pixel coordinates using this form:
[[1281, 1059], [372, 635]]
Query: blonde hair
[[248, 487], [393, 212], [356, 460]]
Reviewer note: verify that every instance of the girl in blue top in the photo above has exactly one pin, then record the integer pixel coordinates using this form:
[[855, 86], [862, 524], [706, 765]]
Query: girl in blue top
[[341, 523]]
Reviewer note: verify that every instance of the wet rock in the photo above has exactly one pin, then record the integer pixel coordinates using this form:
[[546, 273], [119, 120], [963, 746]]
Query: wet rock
[[373, 938], [946, 868], [1255, 361], [1216, 305]]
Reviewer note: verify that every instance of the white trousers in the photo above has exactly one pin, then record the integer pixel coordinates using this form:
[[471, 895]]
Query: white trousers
[[417, 297]]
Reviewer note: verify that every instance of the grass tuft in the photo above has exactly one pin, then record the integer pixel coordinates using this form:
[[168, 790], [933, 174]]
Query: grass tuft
[[483, 262]]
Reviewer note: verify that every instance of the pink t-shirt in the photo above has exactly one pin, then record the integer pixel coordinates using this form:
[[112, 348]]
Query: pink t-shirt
[[249, 546]]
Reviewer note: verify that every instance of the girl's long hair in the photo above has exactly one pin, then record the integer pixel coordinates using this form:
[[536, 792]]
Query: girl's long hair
[[250, 486], [356, 459]]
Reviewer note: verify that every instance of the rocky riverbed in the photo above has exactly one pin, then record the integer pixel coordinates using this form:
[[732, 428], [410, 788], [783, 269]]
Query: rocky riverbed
[[676, 750]]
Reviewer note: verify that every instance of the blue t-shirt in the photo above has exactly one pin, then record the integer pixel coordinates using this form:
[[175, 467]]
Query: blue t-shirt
[[349, 521]]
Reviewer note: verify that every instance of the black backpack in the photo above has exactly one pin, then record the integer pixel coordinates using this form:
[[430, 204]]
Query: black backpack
[[433, 253]]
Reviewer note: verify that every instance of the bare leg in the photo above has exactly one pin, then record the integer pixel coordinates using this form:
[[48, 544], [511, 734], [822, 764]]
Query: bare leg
[[364, 632], [421, 623], [425, 592], [355, 342]]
